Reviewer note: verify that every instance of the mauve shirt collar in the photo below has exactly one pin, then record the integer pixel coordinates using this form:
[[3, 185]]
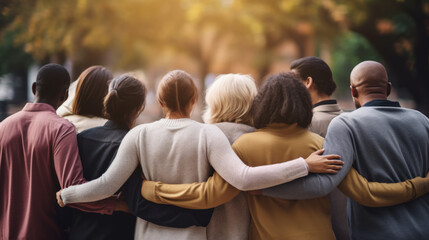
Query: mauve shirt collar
[[37, 107]]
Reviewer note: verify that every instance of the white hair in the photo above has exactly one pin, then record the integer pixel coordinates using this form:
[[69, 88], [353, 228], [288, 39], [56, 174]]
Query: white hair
[[230, 99]]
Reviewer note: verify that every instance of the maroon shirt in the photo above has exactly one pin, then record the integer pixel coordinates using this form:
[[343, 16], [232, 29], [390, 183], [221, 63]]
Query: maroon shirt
[[38, 156]]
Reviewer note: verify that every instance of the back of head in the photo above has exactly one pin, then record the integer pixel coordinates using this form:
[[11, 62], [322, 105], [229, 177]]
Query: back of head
[[176, 90], [90, 91], [230, 99], [282, 99], [52, 79], [318, 70], [126, 98], [370, 77]]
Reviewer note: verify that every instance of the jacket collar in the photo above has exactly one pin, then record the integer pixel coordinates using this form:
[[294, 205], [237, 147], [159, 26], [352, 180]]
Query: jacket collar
[[381, 103], [114, 125]]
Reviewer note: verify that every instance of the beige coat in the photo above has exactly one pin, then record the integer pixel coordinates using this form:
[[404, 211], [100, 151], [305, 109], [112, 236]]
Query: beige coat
[[322, 116], [80, 122]]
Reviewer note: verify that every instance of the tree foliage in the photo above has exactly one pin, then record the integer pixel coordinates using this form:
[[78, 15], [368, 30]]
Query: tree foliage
[[399, 31], [215, 35]]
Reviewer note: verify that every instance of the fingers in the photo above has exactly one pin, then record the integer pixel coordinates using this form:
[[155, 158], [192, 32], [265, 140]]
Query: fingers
[[336, 167], [318, 152], [335, 162], [331, 166], [332, 156], [59, 200]]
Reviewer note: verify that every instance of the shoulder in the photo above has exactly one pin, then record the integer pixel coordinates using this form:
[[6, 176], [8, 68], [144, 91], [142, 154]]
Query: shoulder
[[344, 118], [91, 132], [57, 122], [83, 123], [139, 129], [234, 130], [208, 127], [315, 138], [417, 114], [212, 131], [252, 137]]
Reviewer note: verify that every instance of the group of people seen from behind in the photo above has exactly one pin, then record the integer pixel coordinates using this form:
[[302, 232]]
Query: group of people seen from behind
[[279, 162]]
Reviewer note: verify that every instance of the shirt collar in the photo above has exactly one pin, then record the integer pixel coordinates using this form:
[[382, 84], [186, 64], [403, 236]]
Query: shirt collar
[[38, 107], [381, 103], [115, 125], [325, 102]]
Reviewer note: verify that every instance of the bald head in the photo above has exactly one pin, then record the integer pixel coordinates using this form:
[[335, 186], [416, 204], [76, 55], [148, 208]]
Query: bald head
[[369, 74], [369, 82]]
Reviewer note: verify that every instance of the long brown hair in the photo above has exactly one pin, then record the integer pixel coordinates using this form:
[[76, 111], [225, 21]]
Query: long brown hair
[[91, 90], [126, 98], [176, 90]]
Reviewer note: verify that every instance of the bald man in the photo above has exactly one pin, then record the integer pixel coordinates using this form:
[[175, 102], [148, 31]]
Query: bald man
[[384, 143]]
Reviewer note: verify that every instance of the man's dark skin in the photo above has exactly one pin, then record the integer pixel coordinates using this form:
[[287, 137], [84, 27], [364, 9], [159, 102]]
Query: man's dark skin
[[368, 82], [55, 100]]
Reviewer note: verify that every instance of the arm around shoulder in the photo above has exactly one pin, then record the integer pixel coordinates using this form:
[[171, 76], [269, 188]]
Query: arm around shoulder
[[69, 171], [212, 193], [338, 141], [228, 165], [122, 167], [161, 214], [374, 194]]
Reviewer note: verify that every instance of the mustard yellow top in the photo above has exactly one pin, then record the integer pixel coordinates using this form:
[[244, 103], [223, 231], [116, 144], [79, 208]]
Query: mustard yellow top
[[283, 219]]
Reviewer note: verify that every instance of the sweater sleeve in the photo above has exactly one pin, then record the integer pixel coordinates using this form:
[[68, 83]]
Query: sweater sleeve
[[161, 214], [230, 167], [338, 141], [373, 194], [106, 185], [212, 193]]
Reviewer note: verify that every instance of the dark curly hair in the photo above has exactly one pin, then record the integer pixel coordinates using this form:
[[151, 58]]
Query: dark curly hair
[[282, 99], [318, 70]]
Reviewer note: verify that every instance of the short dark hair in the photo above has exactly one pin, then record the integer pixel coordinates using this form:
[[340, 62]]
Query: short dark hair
[[318, 70], [126, 97], [51, 79], [282, 99], [90, 91]]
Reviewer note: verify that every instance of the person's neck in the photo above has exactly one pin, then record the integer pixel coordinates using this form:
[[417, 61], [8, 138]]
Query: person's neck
[[371, 97], [46, 100], [315, 98], [176, 115]]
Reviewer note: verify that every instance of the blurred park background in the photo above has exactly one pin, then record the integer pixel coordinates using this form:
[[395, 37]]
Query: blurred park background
[[211, 37]]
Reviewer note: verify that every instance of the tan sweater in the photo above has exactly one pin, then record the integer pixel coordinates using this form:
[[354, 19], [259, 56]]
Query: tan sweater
[[274, 218]]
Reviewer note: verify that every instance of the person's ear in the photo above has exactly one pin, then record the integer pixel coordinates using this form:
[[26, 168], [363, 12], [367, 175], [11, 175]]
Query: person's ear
[[389, 88], [33, 88], [308, 82], [354, 92]]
